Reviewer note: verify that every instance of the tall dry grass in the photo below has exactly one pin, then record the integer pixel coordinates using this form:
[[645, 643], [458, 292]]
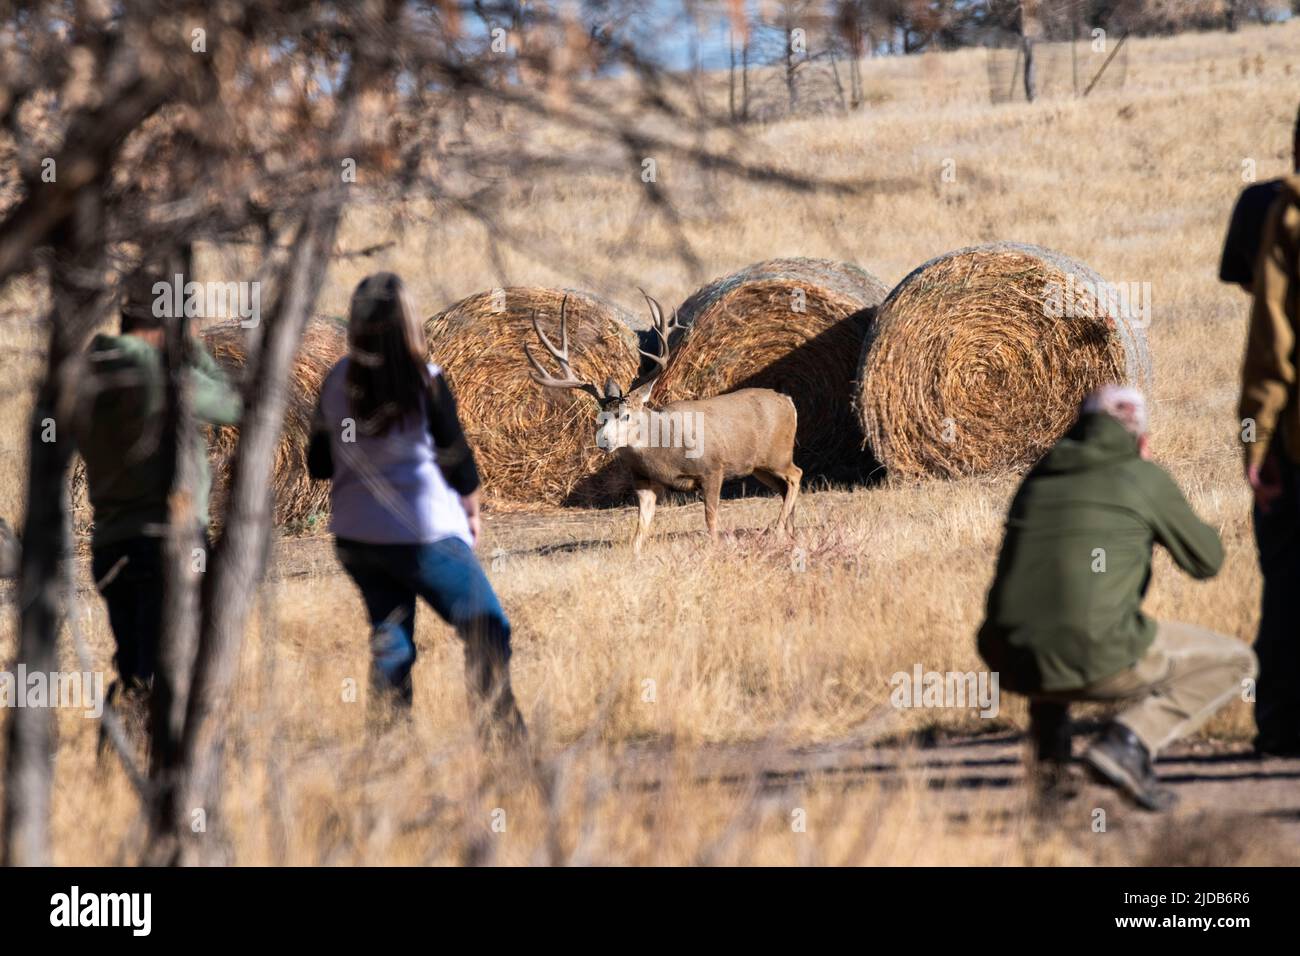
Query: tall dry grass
[[752, 641]]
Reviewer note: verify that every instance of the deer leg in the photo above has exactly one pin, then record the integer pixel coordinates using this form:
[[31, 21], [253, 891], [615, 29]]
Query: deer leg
[[793, 475], [646, 495], [711, 485]]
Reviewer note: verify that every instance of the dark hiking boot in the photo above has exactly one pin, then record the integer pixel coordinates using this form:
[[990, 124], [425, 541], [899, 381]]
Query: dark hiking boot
[[1122, 761]]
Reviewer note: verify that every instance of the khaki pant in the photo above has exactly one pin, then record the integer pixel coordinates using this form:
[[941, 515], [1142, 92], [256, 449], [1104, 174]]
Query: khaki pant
[[1186, 675]]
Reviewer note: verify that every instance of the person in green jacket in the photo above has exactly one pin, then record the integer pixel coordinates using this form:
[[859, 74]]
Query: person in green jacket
[[1064, 620], [121, 405]]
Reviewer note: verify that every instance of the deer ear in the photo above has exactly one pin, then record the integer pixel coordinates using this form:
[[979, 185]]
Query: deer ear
[[612, 390]]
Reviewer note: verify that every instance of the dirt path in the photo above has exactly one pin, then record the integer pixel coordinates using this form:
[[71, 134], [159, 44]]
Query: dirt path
[[1206, 776], [1225, 795]]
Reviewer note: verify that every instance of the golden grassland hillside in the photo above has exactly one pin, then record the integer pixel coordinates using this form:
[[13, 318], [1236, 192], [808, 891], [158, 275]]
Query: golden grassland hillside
[[758, 641]]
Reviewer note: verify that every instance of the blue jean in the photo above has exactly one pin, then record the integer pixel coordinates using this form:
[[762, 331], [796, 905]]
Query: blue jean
[[447, 575]]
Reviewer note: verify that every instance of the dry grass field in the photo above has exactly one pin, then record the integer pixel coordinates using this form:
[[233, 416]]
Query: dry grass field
[[662, 692]]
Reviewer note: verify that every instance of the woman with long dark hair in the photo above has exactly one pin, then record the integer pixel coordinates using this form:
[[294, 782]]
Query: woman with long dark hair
[[404, 504]]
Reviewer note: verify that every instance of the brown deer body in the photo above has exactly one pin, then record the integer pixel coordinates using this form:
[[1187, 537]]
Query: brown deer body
[[693, 445]]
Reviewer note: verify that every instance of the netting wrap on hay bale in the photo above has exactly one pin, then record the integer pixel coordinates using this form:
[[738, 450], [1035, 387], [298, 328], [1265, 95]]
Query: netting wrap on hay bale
[[298, 499], [533, 445], [792, 325], [978, 360]]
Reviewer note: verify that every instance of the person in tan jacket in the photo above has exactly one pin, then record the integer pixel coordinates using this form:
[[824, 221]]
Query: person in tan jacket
[[1270, 430]]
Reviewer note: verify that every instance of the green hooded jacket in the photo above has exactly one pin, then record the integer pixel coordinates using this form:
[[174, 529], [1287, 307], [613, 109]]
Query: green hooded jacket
[[1064, 610], [118, 428]]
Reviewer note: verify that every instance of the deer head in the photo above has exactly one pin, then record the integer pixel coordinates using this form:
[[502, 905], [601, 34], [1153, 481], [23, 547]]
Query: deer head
[[620, 410]]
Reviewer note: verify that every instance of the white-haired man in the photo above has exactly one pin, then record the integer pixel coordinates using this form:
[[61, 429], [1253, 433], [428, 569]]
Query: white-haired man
[[1064, 620]]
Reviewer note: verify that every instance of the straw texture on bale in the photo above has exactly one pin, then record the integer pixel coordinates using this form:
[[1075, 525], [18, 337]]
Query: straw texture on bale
[[978, 360], [792, 325], [298, 499], [533, 445]]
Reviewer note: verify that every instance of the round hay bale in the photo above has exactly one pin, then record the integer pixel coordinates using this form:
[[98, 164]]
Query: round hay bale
[[533, 445], [792, 325], [299, 500], [978, 360]]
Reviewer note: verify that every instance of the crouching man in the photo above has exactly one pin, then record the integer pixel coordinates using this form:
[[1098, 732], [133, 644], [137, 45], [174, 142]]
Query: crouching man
[[1064, 620]]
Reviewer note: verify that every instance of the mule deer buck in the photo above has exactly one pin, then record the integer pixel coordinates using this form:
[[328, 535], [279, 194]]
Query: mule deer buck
[[687, 445]]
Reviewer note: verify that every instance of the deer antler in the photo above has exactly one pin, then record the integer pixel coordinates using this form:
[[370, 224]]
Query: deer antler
[[664, 328], [561, 356]]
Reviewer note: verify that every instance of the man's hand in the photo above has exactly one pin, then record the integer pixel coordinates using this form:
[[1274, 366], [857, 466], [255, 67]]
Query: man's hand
[[470, 504], [1266, 482]]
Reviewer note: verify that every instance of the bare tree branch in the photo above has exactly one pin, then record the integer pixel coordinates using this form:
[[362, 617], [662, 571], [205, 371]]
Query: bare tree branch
[[78, 303]]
